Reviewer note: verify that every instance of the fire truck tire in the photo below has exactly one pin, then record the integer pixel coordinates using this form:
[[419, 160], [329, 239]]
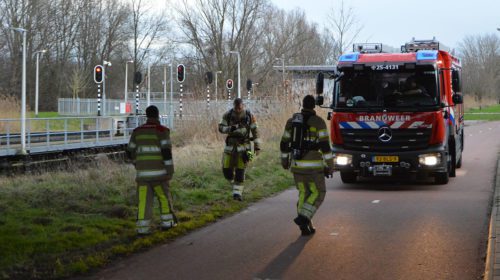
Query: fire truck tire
[[348, 177], [441, 178], [452, 165], [459, 163]]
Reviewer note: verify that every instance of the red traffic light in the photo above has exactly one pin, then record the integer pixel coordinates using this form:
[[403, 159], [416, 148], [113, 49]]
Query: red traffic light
[[229, 84], [181, 73], [98, 74]]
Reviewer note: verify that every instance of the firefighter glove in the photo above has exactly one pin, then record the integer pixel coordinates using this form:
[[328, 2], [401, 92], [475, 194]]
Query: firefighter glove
[[250, 155]]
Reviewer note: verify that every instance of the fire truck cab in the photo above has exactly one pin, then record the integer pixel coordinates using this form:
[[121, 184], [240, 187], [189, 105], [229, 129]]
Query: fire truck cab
[[397, 113]]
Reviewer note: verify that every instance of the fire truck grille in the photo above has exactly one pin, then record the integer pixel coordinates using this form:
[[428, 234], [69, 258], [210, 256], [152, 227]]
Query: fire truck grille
[[402, 140]]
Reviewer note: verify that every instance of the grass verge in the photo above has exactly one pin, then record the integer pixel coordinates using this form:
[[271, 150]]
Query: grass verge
[[490, 113], [67, 223]]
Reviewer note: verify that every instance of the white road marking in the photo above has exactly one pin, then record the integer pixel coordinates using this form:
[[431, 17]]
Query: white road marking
[[334, 234], [376, 201], [461, 172]]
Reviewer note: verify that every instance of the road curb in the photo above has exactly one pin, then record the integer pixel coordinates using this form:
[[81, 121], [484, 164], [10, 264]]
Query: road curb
[[492, 271]]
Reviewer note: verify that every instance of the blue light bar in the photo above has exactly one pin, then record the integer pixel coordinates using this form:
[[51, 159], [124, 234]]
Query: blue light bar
[[351, 57], [427, 55]]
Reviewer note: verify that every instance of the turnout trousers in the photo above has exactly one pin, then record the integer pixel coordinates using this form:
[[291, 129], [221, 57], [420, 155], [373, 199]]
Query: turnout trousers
[[312, 192], [233, 168], [146, 191]]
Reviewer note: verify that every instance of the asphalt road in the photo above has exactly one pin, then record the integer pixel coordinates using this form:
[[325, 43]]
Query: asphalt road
[[371, 230]]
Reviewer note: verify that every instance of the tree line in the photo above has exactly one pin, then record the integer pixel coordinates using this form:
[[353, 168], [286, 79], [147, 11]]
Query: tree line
[[80, 34]]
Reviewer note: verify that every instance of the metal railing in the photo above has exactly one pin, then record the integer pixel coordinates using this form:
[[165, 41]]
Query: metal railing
[[66, 133], [57, 134], [88, 107]]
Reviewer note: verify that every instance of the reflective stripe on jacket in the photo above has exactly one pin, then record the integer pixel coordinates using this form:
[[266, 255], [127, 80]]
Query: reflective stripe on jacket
[[151, 149]]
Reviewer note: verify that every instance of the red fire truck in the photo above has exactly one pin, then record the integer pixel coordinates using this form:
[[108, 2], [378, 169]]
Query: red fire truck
[[397, 113]]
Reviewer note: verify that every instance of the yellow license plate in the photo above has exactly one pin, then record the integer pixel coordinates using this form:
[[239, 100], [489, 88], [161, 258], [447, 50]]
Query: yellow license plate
[[385, 159]]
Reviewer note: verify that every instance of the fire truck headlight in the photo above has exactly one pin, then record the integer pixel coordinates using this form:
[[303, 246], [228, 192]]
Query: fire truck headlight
[[342, 159], [429, 159]]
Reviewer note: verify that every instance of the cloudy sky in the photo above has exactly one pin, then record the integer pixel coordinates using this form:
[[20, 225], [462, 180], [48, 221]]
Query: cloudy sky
[[394, 22]]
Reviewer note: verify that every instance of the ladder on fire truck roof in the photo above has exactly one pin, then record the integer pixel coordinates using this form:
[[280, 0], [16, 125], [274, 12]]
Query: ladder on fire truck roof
[[412, 46], [416, 45]]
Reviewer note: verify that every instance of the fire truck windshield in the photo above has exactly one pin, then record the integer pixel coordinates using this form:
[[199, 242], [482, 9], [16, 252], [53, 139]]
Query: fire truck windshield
[[387, 87]]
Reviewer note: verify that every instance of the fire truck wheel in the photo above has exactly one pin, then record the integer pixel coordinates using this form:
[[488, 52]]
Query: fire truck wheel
[[441, 178], [348, 177], [459, 163], [452, 166]]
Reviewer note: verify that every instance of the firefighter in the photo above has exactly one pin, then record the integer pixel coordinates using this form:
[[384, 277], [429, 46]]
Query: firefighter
[[241, 128], [412, 87], [305, 148], [151, 151]]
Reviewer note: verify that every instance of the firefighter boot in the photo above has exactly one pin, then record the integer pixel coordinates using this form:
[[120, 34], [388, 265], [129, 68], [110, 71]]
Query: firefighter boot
[[168, 221], [312, 229], [237, 192], [303, 224]]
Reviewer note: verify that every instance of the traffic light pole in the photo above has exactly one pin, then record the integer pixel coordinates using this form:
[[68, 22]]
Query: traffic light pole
[[180, 101], [98, 100], [208, 97], [137, 99]]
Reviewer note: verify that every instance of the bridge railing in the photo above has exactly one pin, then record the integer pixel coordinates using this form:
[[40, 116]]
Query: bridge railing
[[64, 133]]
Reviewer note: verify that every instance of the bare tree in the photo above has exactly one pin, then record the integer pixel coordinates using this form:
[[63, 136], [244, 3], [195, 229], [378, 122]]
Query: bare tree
[[79, 82], [344, 28], [481, 66], [148, 27]]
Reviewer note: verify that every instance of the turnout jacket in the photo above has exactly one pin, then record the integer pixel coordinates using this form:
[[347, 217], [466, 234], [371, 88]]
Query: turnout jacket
[[238, 128], [318, 156], [151, 150]]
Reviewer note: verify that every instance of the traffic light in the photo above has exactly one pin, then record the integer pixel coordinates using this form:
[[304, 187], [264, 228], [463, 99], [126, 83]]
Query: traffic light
[[138, 78], [229, 84], [209, 77], [181, 73], [98, 74], [249, 85]]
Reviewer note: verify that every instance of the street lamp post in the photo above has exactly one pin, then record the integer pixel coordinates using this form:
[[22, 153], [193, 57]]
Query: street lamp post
[[216, 95], [171, 110], [149, 86], [239, 72], [126, 82], [282, 58], [37, 53], [104, 64], [23, 91]]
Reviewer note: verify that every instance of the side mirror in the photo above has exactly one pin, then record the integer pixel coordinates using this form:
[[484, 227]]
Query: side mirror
[[457, 99], [320, 82], [320, 100], [455, 81]]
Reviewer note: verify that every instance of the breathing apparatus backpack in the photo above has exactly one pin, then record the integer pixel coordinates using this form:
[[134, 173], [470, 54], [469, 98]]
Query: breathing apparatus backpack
[[300, 135]]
